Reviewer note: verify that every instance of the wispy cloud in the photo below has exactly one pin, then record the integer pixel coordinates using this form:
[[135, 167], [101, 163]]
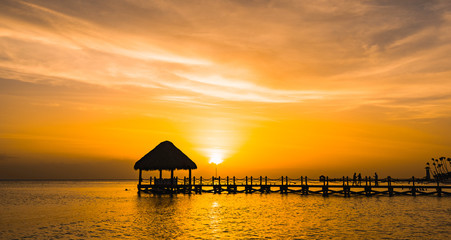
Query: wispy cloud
[[219, 72], [270, 52]]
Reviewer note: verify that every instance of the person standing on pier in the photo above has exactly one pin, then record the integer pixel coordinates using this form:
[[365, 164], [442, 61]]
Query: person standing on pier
[[354, 179], [376, 179]]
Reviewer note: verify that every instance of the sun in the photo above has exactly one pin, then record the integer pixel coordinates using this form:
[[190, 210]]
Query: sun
[[216, 158]]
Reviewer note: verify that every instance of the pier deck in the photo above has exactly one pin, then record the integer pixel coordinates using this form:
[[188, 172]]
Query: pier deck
[[303, 186]]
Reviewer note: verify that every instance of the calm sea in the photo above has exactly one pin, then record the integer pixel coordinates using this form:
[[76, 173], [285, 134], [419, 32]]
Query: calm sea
[[105, 210]]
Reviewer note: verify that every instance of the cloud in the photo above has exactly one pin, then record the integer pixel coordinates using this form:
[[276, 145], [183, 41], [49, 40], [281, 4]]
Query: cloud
[[94, 59], [268, 52], [107, 72]]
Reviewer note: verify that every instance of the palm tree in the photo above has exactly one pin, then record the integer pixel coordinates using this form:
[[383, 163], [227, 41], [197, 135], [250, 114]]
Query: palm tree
[[449, 162], [446, 165], [440, 170], [435, 167], [442, 165]]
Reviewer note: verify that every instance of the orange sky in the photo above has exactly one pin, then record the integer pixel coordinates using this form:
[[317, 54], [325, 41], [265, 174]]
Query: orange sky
[[272, 87]]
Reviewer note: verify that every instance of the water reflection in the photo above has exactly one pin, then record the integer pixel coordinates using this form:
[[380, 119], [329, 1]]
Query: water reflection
[[215, 217], [100, 210], [212, 216], [161, 215]]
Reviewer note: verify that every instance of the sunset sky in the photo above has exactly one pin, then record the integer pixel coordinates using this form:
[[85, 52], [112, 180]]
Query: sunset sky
[[271, 87]]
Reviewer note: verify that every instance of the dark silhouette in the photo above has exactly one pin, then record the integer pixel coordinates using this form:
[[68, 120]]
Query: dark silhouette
[[165, 156], [322, 178], [360, 179], [440, 170], [325, 186], [428, 172], [376, 179], [354, 179]]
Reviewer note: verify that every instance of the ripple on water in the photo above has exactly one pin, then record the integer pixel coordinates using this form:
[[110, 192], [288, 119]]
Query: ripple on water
[[81, 210]]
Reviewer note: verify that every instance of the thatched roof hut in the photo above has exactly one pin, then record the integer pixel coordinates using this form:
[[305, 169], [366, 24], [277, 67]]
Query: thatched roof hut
[[165, 156]]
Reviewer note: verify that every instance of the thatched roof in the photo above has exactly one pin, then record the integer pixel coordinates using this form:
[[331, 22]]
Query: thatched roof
[[165, 156]]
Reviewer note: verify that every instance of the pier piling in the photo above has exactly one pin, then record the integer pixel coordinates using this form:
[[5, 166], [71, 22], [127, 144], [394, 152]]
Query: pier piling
[[325, 186]]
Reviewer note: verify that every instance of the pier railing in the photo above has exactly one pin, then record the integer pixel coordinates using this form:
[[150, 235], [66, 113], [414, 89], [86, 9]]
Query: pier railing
[[325, 186]]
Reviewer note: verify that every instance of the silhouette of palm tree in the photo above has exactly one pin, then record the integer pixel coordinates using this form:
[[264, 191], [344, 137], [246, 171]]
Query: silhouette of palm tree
[[435, 167], [443, 162], [441, 170], [449, 162]]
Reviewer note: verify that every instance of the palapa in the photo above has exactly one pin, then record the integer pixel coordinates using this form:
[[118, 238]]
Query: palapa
[[165, 156]]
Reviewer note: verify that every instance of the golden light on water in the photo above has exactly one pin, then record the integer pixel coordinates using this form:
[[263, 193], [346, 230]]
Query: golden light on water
[[261, 88]]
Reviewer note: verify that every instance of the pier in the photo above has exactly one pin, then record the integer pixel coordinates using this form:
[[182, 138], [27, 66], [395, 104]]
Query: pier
[[324, 186], [166, 156]]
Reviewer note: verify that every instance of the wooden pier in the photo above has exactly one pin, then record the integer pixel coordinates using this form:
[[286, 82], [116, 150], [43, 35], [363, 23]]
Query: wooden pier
[[303, 186]]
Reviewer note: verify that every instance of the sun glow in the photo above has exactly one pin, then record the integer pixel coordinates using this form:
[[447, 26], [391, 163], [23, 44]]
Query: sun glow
[[216, 157], [247, 91]]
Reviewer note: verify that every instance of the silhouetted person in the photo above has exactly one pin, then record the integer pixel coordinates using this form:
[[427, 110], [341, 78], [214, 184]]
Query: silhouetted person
[[354, 179], [360, 179], [376, 179]]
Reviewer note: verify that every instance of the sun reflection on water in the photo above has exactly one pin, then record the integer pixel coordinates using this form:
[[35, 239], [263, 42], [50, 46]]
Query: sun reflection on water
[[215, 217], [102, 209]]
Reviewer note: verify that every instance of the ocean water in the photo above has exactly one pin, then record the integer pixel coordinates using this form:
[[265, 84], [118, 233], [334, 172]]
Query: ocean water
[[106, 210]]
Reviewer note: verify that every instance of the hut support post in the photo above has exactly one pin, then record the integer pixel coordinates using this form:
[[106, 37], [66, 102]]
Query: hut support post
[[140, 177], [172, 176], [189, 181], [161, 173]]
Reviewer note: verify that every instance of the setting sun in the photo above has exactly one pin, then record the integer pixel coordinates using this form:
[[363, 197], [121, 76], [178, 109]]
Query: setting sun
[[188, 119], [296, 87], [216, 157]]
